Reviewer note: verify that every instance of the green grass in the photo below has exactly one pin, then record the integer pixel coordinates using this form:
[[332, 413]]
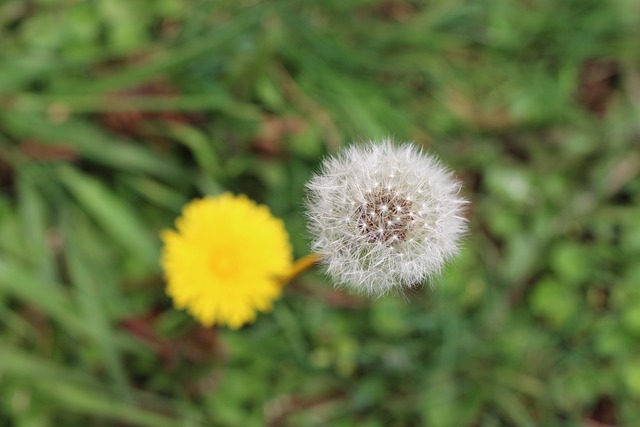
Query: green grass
[[114, 114]]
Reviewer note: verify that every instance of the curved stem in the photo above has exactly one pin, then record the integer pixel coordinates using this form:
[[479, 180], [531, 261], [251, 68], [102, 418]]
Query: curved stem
[[300, 266]]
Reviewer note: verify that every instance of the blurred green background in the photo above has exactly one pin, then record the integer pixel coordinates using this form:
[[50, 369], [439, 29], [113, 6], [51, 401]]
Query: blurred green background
[[115, 113]]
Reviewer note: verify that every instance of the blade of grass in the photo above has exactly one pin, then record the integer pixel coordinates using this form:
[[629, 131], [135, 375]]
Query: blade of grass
[[513, 408], [157, 193], [86, 282], [115, 216], [29, 367], [79, 104], [94, 403], [292, 332], [20, 282], [34, 227], [201, 147], [77, 392], [90, 142], [179, 56]]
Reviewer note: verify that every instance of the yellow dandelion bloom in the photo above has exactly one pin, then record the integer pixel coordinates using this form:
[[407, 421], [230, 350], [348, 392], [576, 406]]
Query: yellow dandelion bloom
[[223, 262]]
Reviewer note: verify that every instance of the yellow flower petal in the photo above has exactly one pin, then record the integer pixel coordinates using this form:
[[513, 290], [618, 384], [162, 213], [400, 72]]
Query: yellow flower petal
[[223, 262]]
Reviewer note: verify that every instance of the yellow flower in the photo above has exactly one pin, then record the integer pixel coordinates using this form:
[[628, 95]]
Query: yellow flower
[[223, 263]]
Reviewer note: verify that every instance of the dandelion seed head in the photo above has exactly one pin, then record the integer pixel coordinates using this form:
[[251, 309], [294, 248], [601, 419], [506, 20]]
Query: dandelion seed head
[[384, 217]]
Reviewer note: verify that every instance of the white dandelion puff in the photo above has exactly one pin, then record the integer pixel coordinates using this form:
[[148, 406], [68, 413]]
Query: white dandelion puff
[[384, 217]]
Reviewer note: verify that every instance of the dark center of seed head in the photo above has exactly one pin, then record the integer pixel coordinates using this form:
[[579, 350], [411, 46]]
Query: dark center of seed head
[[385, 216]]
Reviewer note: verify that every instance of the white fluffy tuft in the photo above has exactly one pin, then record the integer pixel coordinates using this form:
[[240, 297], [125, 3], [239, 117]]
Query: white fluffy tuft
[[384, 217]]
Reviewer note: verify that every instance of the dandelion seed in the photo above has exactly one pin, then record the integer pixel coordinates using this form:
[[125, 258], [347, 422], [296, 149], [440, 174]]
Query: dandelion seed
[[400, 228], [223, 262]]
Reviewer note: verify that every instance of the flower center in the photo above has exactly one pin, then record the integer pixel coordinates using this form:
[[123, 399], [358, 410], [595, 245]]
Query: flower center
[[222, 266], [385, 216]]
